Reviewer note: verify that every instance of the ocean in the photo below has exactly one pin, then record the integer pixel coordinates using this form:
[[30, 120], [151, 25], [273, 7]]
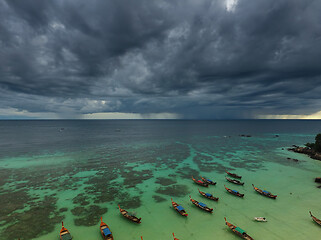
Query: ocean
[[77, 171]]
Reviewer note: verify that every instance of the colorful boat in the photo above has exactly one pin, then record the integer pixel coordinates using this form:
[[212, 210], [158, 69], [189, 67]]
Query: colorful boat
[[179, 209], [233, 175], [175, 237], [209, 181], [208, 195], [105, 231], [316, 220], [199, 182], [238, 231], [234, 192], [264, 193], [129, 216], [201, 205], [64, 233], [234, 181]]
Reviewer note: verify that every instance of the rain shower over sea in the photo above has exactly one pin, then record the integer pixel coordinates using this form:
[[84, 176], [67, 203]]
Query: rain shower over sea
[[76, 171]]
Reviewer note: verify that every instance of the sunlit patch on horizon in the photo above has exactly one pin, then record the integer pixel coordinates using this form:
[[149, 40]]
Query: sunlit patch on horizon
[[316, 115], [120, 115]]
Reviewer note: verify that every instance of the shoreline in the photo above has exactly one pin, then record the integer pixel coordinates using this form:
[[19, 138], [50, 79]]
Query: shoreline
[[308, 151]]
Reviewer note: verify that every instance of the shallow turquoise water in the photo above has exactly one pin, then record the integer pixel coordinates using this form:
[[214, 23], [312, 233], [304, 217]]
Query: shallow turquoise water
[[39, 189]]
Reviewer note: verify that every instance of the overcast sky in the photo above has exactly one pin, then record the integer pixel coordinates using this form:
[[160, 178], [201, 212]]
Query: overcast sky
[[194, 59]]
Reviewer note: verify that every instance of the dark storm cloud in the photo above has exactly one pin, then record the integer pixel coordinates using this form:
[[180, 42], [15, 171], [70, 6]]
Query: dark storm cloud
[[195, 58]]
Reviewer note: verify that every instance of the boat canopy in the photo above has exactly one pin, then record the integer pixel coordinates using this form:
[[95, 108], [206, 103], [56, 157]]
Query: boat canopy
[[235, 191], [199, 181], [209, 180], [180, 208], [208, 194], [266, 192], [106, 231], [202, 204], [240, 230]]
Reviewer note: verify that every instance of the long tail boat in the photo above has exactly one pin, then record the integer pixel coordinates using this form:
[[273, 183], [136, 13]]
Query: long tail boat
[[238, 231], [208, 195], [264, 193], [175, 237], [233, 175], [318, 221], [105, 230], [64, 233], [234, 192], [179, 209], [129, 216], [234, 181], [208, 181], [201, 205], [199, 182]]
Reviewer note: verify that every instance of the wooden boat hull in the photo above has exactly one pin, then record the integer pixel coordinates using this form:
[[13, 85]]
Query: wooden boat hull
[[264, 194], [233, 228], [316, 220], [128, 216], [208, 181], [208, 197], [233, 175], [204, 184], [196, 203], [234, 193], [175, 205], [234, 181]]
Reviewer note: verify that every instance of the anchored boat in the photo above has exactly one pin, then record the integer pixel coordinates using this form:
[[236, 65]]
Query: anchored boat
[[129, 216], [199, 182], [233, 175], [264, 193], [179, 208], [64, 233], [208, 195], [234, 181], [105, 230], [201, 205], [260, 219], [209, 181], [238, 231], [234, 192]]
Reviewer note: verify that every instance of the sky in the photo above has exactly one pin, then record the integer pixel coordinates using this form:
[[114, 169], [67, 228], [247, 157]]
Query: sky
[[164, 59]]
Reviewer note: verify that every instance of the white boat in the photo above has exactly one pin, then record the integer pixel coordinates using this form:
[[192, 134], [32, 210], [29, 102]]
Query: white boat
[[260, 219]]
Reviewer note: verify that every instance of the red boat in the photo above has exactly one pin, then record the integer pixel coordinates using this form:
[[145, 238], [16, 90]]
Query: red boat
[[200, 182]]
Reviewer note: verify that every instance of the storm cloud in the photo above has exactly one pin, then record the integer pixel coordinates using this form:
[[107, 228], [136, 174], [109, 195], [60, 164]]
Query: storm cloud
[[192, 59]]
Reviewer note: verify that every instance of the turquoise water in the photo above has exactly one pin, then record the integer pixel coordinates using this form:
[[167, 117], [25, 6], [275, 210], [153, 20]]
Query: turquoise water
[[85, 170]]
